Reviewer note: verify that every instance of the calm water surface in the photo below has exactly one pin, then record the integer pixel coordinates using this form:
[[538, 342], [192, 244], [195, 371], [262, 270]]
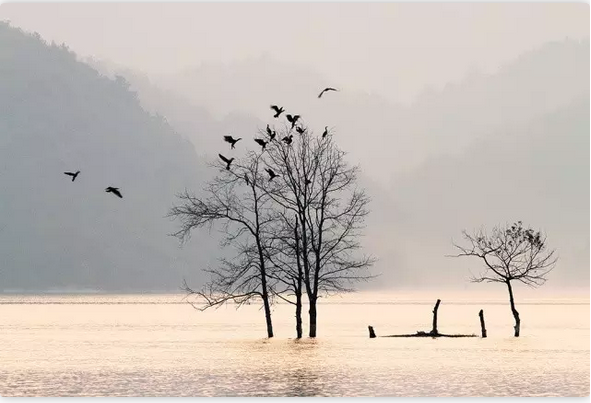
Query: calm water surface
[[160, 346]]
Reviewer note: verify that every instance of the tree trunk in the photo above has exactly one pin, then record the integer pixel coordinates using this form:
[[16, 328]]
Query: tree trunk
[[298, 284], [434, 330], [482, 326], [268, 315], [299, 316], [517, 326], [265, 296], [312, 312]]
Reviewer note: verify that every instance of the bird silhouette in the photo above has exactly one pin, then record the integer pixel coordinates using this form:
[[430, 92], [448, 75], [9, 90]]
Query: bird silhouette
[[271, 133], [261, 142], [246, 179], [231, 140], [278, 110], [292, 119], [325, 90], [300, 130], [115, 191], [308, 181], [226, 160], [325, 133], [271, 173], [288, 139], [73, 175]]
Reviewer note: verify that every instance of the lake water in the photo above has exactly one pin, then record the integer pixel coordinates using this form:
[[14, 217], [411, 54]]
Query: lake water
[[158, 345]]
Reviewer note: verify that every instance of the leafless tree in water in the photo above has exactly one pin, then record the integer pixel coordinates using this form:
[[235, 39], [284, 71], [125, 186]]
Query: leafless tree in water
[[235, 201], [510, 253], [318, 186]]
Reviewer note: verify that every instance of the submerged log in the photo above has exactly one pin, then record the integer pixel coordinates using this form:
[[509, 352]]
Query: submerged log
[[419, 334], [482, 326], [433, 333]]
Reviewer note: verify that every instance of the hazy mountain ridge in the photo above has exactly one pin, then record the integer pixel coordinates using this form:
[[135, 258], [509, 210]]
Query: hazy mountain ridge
[[192, 121], [539, 175], [402, 137], [61, 115], [429, 199], [430, 196]]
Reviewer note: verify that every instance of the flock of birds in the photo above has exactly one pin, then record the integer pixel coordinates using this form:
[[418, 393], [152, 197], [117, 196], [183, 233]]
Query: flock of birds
[[293, 119], [110, 189]]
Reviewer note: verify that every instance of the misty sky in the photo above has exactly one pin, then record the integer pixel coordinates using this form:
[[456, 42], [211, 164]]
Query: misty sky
[[525, 127], [394, 49]]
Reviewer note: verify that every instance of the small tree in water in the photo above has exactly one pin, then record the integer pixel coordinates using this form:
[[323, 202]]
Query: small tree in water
[[511, 253]]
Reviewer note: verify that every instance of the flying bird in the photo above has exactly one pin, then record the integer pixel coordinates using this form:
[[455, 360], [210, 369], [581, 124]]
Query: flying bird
[[300, 130], [271, 133], [288, 139], [292, 119], [271, 173], [278, 110], [261, 142], [226, 160], [325, 133], [325, 90], [231, 140], [115, 191], [73, 175]]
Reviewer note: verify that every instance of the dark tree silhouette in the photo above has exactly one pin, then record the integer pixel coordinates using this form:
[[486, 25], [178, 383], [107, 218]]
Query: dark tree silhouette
[[244, 213], [319, 187], [283, 253], [510, 253]]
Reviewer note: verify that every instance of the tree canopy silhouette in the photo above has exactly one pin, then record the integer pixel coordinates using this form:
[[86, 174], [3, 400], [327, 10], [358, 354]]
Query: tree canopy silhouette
[[510, 253]]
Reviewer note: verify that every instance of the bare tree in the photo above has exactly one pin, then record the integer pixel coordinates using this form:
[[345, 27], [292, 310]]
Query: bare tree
[[510, 253], [317, 185], [235, 200]]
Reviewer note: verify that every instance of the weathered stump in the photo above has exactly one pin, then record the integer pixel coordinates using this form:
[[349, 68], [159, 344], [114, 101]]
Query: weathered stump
[[482, 326], [434, 330]]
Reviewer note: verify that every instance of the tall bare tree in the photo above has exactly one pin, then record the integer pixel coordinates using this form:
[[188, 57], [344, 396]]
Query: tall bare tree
[[234, 200], [510, 253], [316, 183]]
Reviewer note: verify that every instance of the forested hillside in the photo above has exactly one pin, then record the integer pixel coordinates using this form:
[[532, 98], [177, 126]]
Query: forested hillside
[[58, 114]]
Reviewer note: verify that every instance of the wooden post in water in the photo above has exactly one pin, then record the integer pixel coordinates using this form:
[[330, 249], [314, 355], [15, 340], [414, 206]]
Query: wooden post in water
[[372, 334], [434, 330], [482, 326]]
